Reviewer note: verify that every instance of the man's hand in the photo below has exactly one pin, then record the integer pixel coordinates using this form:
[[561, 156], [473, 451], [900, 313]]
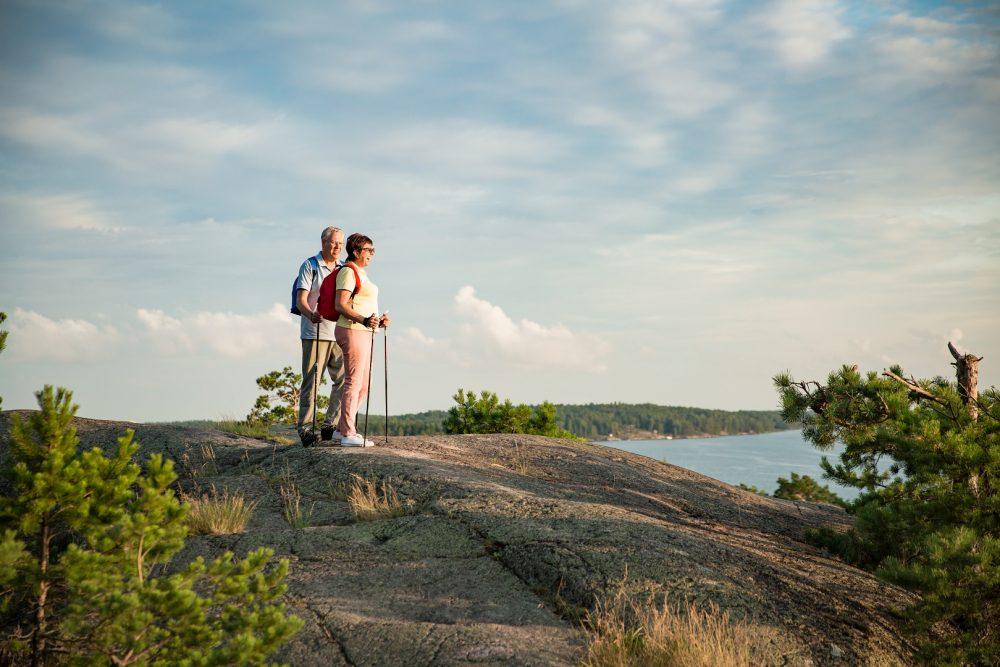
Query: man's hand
[[315, 317], [384, 320]]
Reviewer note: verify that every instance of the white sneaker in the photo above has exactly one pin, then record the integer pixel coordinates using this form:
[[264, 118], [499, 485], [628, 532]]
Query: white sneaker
[[356, 441]]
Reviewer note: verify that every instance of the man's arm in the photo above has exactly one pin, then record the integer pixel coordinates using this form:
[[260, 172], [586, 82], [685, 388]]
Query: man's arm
[[303, 296]]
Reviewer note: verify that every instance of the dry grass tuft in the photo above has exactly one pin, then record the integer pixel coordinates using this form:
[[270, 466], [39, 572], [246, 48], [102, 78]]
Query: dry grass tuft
[[215, 514], [625, 633], [291, 501], [202, 465], [371, 501]]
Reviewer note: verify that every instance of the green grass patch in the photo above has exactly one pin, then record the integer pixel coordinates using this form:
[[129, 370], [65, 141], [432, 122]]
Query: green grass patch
[[257, 430]]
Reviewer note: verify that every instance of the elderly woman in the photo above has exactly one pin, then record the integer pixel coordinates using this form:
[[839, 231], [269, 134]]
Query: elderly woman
[[358, 308]]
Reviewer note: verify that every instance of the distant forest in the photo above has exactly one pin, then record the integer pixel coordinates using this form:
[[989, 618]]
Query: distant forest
[[597, 421]]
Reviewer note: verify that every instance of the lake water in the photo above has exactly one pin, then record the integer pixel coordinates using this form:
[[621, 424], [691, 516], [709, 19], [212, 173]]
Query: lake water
[[749, 459]]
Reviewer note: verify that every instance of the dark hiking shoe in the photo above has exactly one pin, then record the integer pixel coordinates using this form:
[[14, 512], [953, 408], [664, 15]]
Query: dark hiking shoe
[[330, 434], [308, 438]]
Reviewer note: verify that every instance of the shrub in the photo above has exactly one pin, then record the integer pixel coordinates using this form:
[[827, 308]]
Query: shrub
[[91, 586], [806, 488], [487, 414], [218, 514]]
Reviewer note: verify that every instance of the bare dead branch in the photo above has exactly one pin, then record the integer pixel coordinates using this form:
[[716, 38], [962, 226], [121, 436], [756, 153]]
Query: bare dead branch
[[913, 387]]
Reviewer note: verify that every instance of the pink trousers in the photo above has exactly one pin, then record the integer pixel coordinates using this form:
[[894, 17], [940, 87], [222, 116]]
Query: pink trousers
[[357, 347]]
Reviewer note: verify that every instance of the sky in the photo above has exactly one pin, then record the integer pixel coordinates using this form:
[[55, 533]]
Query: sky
[[665, 202]]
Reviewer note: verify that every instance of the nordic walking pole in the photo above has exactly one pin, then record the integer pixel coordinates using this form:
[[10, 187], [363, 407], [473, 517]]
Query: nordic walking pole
[[385, 365], [316, 375], [368, 399]]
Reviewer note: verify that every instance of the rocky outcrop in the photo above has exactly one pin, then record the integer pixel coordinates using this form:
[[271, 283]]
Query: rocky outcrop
[[510, 538]]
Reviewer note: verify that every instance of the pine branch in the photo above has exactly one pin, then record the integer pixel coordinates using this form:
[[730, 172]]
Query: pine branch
[[913, 387]]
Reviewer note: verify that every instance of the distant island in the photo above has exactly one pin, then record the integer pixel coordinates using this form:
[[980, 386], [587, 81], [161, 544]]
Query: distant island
[[625, 421]]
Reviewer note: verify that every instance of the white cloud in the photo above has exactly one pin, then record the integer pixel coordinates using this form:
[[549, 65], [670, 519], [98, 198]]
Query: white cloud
[[56, 212], [168, 333], [488, 330], [61, 132], [806, 30], [385, 55], [928, 54], [205, 135], [921, 23], [229, 334], [147, 25], [659, 43], [469, 147], [35, 337], [417, 337], [645, 144]]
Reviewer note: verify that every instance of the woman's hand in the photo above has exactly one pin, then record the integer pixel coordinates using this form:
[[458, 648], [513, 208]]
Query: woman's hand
[[384, 320]]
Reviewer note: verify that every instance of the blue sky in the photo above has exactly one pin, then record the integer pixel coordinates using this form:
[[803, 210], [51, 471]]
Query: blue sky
[[661, 202]]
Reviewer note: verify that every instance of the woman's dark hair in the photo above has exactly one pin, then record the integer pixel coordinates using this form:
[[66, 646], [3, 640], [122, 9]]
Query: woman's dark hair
[[355, 242]]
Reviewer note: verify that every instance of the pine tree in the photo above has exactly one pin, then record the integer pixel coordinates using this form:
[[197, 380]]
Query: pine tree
[[926, 455], [279, 404], [87, 542]]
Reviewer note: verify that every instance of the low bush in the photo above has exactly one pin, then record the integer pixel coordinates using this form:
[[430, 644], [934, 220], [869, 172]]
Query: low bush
[[804, 487], [485, 413]]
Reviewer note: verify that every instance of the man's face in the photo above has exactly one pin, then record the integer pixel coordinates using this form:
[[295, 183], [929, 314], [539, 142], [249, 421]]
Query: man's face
[[334, 245]]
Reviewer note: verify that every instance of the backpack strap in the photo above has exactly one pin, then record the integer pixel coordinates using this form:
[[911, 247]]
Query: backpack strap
[[357, 279], [316, 272]]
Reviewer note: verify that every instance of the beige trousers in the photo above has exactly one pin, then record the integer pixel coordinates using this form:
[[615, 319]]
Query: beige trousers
[[329, 356]]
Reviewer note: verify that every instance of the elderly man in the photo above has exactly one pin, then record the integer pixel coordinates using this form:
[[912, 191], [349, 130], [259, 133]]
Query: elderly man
[[321, 353]]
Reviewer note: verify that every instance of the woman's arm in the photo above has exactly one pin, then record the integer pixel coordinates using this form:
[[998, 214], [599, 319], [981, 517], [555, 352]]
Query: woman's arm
[[344, 308]]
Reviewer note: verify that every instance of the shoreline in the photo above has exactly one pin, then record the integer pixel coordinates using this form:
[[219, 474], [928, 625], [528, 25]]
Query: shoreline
[[697, 436]]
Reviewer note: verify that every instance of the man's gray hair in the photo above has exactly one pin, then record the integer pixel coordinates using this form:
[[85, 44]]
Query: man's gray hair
[[328, 232]]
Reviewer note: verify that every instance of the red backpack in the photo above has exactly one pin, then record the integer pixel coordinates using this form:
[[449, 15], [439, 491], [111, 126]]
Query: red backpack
[[327, 306]]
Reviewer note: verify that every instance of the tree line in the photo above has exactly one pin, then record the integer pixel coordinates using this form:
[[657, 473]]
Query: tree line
[[597, 421]]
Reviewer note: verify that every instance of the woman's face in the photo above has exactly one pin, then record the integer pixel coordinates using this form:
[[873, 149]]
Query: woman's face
[[365, 255]]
